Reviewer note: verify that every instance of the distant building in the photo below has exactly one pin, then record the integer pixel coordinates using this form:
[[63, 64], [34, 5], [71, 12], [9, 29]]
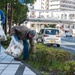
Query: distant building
[[55, 5], [55, 9]]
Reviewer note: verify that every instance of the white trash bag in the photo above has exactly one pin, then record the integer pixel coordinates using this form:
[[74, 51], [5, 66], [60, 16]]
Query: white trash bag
[[2, 34], [15, 48]]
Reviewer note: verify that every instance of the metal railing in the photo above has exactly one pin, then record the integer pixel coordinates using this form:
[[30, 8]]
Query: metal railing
[[64, 15]]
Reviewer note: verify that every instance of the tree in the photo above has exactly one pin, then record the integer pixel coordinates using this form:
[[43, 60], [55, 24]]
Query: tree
[[53, 26], [19, 17], [50, 25], [17, 12]]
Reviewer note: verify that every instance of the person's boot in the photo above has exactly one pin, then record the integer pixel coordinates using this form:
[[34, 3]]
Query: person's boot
[[17, 59]]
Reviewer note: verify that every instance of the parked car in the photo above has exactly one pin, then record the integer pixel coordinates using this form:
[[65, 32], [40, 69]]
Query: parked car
[[68, 34], [49, 36]]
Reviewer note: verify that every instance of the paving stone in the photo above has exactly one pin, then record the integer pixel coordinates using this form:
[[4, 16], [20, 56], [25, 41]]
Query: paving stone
[[8, 66], [28, 71], [10, 70], [14, 61], [26, 68]]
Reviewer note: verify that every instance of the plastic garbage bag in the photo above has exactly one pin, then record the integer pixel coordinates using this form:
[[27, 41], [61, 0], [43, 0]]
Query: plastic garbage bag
[[2, 34], [15, 48]]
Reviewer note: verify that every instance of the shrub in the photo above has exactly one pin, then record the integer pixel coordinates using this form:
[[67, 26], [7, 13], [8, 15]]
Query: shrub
[[51, 53], [46, 57], [69, 67], [6, 43], [61, 55]]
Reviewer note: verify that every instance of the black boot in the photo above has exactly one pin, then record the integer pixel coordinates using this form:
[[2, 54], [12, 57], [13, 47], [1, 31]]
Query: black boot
[[17, 59]]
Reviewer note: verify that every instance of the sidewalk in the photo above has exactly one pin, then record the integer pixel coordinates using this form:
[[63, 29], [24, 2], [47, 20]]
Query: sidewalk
[[8, 66]]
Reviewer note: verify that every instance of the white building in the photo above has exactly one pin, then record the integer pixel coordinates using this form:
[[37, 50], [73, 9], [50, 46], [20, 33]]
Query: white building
[[62, 5], [57, 5], [56, 10]]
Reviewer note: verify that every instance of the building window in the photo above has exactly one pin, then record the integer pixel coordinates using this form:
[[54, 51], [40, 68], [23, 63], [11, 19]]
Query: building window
[[61, 16], [71, 16], [71, 26], [67, 26], [65, 16]]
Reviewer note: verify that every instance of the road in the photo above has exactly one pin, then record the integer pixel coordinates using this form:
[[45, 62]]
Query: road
[[68, 43]]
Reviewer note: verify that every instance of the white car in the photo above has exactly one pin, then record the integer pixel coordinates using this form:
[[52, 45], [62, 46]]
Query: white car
[[68, 34], [49, 36]]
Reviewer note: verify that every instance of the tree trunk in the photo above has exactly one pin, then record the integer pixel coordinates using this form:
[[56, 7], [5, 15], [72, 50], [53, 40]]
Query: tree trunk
[[11, 18], [6, 20]]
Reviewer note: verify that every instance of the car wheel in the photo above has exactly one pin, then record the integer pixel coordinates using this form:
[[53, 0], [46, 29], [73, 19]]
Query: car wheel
[[58, 45]]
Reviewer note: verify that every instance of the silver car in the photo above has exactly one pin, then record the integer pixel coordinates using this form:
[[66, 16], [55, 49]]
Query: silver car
[[49, 36], [68, 34]]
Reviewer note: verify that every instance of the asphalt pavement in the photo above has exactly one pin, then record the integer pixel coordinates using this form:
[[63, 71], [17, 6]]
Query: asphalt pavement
[[68, 43]]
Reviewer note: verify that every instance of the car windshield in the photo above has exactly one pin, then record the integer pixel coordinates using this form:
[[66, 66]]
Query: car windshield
[[52, 31], [68, 33]]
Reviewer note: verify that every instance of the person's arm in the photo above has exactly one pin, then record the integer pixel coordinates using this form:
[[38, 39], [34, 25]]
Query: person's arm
[[2, 17], [32, 46]]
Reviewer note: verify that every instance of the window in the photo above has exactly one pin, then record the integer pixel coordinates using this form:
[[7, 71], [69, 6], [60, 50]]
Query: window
[[41, 31], [65, 16], [51, 31], [71, 16], [61, 16]]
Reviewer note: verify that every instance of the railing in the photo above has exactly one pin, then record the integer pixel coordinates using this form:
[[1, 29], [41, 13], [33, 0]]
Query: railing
[[64, 15]]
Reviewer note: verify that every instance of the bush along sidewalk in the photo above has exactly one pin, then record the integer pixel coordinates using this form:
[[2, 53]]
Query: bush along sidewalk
[[6, 43], [50, 61]]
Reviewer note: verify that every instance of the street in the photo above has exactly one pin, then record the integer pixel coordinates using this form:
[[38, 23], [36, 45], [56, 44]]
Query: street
[[68, 43]]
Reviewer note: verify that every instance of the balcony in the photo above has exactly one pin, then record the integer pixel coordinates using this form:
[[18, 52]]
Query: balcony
[[46, 14]]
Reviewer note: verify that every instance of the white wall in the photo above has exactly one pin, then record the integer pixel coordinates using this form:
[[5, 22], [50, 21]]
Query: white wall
[[37, 4]]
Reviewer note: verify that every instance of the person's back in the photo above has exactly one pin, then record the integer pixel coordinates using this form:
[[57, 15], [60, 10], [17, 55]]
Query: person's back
[[20, 31], [24, 33]]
